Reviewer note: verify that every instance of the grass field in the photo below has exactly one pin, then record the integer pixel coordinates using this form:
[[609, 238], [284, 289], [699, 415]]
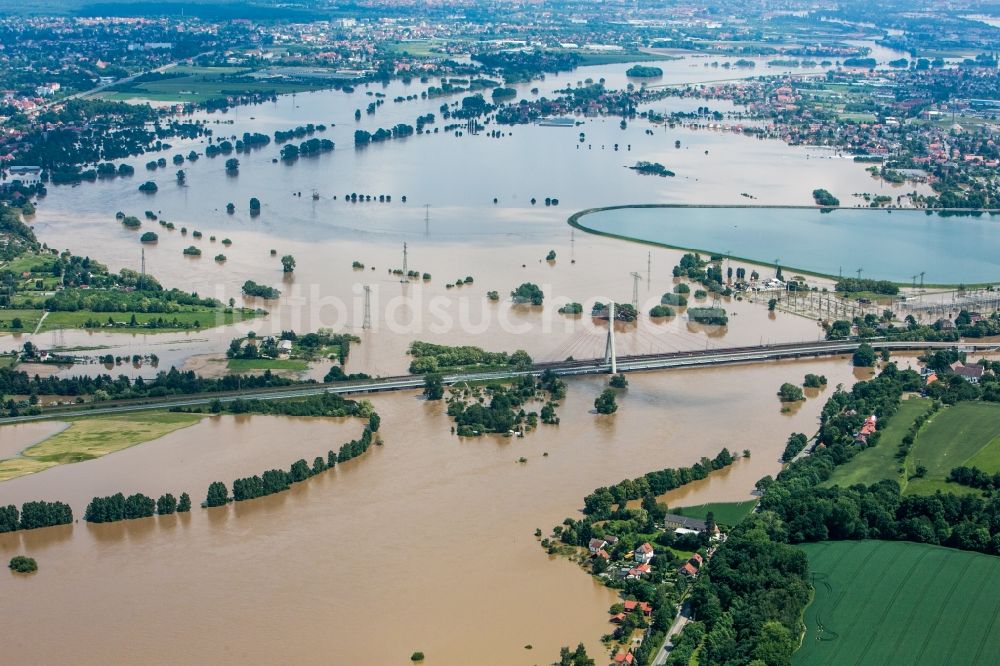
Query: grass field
[[86, 439], [725, 513], [957, 435], [245, 364], [29, 319], [879, 462], [881, 602], [193, 318]]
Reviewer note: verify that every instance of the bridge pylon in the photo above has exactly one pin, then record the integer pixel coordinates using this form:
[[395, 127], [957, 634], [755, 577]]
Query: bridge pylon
[[610, 354]]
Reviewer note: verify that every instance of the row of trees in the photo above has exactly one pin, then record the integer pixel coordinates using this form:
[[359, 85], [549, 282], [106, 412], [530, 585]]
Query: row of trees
[[276, 480], [118, 507], [172, 382], [34, 515], [599, 504]]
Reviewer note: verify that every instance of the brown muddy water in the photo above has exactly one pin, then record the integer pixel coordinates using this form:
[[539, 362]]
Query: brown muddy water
[[423, 544], [327, 292]]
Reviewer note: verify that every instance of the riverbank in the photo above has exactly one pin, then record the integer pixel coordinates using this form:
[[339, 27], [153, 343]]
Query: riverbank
[[575, 221]]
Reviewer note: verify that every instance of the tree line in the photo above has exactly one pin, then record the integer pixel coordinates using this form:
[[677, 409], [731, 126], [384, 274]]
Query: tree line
[[276, 480], [118, 507], [34, 515], [16, 382]]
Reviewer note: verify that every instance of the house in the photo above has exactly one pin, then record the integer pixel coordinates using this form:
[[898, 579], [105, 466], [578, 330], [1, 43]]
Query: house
[[27, 175], [285, 347], [867, 429], [639, 571], [688, 569], [617, 618], [631, 606], [944, 325], [603, 554], [624, 658], [931, 378], [697, 560], [644, 553], [971, 373], [596, 545]]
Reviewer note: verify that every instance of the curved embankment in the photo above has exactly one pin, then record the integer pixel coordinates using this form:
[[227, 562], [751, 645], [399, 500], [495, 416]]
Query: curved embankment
[[574, 221]]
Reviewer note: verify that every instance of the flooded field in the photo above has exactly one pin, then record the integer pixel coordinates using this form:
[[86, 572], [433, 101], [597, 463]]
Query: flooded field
[[423, 544], [450, 223]]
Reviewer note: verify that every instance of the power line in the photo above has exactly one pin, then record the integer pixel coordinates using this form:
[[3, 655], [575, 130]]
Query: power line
[[367, 323]]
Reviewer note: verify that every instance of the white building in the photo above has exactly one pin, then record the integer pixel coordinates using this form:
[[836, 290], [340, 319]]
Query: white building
[[643, 553]]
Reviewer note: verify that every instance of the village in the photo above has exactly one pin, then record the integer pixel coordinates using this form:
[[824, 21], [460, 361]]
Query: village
[[693, 542]]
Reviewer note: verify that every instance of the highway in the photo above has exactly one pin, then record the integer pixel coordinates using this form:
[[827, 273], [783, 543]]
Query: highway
[[647, 362]]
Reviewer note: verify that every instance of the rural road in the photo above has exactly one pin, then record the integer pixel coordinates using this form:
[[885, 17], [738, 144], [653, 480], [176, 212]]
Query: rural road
[[679, 623]]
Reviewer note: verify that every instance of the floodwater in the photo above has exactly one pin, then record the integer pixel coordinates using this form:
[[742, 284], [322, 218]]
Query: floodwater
[[17, 438], [422, 544], [946, 249], [459, 233]]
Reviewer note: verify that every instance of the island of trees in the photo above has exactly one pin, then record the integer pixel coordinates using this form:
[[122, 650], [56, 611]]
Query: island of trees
[[528, 292], [643, 71], [501, 407], [824, 198], [429, 357], [251, 288], [652, 169]]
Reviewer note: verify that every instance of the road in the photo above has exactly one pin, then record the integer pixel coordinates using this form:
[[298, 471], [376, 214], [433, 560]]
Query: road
[[665, 361], [679, 623]]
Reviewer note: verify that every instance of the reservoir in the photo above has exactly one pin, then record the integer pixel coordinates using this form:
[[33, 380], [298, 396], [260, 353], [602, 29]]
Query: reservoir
[[886, 246]]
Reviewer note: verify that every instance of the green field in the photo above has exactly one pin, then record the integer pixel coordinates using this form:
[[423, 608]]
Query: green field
[[188, 83], [417, 48], [29, 319], [89, 438], [245, 364], [881, 602], [189, 319], [965, 434], [620, 57], [725, 513], [879, 462]]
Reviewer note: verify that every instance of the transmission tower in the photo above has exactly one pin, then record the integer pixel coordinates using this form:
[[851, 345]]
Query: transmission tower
[[635, 289], [367, 323], [610, 356], [406, 272], [142, 279], [572, 245], [649, 270]]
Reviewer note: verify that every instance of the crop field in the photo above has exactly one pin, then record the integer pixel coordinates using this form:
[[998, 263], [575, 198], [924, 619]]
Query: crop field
[[725, 513], [247, 364], [965, 434], [884, 602]]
